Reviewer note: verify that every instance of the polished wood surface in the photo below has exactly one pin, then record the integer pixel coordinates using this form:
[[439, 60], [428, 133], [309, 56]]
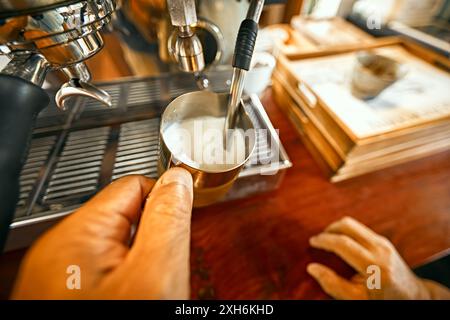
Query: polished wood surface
[[257, 248]]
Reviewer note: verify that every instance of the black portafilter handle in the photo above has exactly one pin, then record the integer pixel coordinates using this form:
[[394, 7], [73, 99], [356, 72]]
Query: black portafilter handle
[[245, 44], [20, 103]]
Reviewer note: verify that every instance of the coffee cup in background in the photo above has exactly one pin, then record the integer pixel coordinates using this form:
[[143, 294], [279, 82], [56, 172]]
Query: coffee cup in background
[[373, 73], [259, 76]]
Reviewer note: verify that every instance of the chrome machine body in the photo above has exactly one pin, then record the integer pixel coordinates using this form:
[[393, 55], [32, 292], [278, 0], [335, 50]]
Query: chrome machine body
[[42, 35]]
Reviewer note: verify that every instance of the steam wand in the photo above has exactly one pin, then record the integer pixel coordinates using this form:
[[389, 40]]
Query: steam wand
[[243, 51]]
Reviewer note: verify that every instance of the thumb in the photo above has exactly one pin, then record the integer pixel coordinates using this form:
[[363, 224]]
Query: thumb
[[167, 212], [161, 247]]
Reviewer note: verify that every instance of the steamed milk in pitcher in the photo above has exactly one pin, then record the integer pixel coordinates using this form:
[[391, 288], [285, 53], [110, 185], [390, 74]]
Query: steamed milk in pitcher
[[199, 142], [192, 137]]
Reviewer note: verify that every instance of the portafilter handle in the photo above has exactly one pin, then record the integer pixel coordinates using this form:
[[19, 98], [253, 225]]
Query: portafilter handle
[[20, 103]]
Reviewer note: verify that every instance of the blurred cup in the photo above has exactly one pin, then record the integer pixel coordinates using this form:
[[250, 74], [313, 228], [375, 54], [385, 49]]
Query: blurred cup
[[259, 75], [373, 73]]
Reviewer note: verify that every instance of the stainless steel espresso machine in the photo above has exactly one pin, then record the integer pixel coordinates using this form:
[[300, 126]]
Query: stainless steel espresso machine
[[58, 147], [39, 36]]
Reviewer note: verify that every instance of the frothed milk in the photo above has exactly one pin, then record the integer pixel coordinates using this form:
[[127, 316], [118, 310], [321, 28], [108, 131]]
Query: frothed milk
[[199, 142]]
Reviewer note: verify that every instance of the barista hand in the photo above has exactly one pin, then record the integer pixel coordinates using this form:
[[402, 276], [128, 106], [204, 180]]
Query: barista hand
[[360, 247], [96, 238]]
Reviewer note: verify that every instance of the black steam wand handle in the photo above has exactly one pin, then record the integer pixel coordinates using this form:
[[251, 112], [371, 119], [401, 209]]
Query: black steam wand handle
[[20, 103], [245, 44], [246, 39], [242, 57]]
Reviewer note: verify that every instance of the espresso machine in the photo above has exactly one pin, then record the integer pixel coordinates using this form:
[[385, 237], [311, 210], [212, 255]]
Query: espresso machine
[[57, 149], [38, 36]]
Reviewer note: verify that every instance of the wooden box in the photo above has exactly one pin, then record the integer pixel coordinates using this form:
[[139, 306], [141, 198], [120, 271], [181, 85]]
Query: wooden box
[[344, 153]]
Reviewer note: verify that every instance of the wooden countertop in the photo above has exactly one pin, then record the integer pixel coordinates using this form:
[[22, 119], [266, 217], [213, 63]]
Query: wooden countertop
[[257, 248]]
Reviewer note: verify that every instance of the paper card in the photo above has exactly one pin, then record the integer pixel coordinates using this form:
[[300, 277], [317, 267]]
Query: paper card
[[422, 95]]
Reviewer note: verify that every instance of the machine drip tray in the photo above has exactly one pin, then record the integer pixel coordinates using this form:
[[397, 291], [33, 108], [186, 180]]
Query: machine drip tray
[[75, 153]]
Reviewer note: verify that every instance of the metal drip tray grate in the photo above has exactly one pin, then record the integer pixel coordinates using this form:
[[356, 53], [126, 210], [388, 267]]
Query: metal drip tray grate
[[76, 153], [38, 154], [137, 149], [78, 168]]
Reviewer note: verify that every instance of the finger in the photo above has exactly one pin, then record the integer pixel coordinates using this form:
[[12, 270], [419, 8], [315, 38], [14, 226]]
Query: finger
[[162, 240], [359, 278], [345, 247], [334, 285], [113, 211], [356, 230]]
